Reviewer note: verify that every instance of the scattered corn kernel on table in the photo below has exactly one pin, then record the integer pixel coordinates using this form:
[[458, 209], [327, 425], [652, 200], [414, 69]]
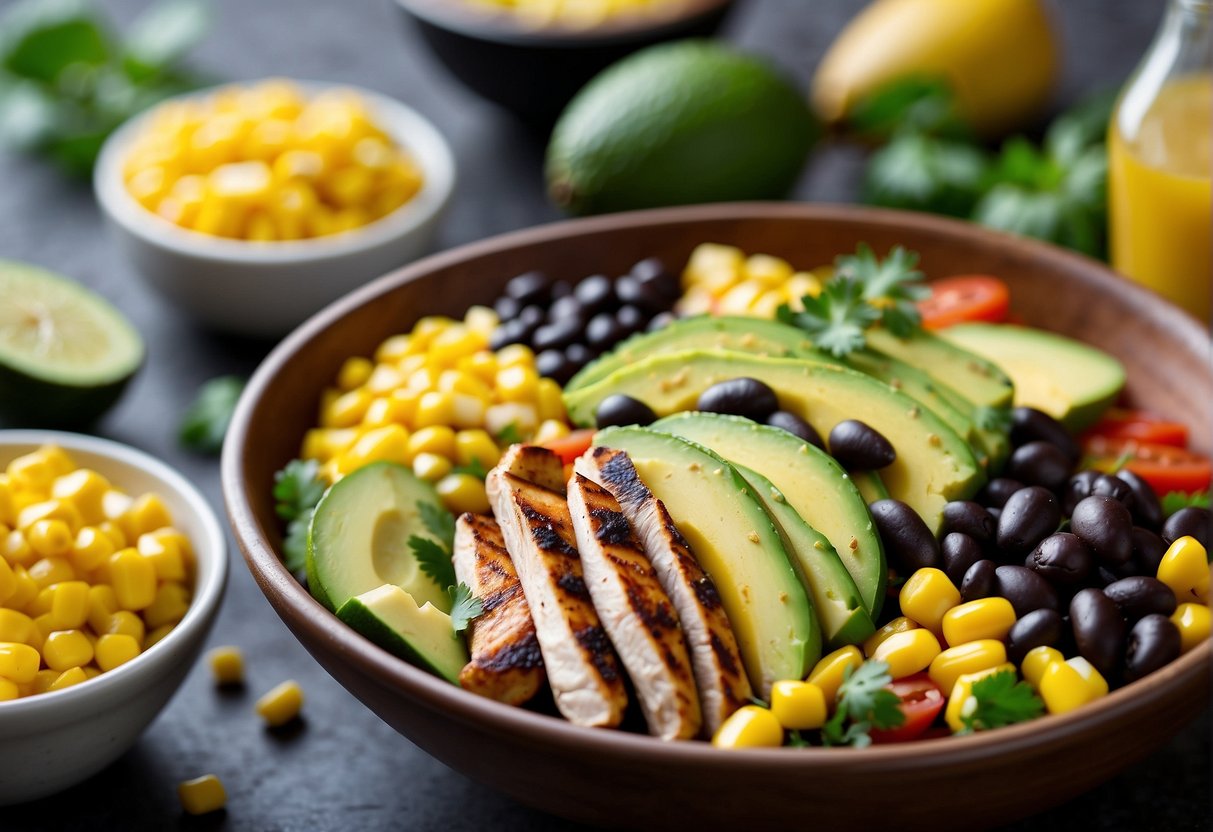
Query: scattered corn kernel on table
[[340, 767]]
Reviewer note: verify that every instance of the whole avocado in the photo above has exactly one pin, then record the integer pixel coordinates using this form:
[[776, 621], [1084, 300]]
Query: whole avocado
[[679, 123]]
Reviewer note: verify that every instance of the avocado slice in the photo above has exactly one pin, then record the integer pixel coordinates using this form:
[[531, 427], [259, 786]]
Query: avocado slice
[[933, 464], [1072, 382], [852, 566], [870, 485], [977, 379], [736, 543], [423, 635], [359, 536]]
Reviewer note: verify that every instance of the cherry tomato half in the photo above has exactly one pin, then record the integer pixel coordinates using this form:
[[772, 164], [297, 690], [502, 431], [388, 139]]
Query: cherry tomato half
[[1119, 423], [921, 701], [572, 446], [1164, 467], [970, 297]]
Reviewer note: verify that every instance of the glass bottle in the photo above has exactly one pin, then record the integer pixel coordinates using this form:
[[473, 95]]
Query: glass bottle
[[1160, 148]]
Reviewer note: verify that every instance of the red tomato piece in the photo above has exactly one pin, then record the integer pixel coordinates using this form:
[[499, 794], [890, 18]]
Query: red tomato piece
[[1119, 423], [1164, 467], [970, 297], [921, 701], [572, 446]]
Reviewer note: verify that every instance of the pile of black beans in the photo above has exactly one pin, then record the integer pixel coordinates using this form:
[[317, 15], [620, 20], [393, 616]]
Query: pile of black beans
[[1076, 554], [568, 326]]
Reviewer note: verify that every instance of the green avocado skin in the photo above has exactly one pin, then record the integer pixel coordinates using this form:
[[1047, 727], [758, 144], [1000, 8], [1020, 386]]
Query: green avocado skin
[[676, 124]]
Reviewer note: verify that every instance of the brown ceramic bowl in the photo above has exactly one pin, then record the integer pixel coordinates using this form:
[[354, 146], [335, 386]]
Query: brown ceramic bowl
[[626, 780]]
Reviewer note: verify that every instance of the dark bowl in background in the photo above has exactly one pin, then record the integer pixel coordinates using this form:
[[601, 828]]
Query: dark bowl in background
[[535, 72]]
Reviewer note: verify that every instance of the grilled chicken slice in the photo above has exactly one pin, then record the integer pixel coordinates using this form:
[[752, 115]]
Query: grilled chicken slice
[[506, 663], [715, 659], [635, 611], [533, 464], [582, 668]]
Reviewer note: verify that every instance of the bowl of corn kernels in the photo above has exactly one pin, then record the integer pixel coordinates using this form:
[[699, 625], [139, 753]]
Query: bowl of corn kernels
[[251, 206], [112, 568]]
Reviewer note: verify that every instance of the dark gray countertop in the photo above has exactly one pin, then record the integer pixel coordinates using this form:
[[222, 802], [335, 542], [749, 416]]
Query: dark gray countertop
[[345, 769]]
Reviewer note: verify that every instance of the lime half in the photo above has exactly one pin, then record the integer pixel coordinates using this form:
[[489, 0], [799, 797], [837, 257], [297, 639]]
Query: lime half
[[65, 353]]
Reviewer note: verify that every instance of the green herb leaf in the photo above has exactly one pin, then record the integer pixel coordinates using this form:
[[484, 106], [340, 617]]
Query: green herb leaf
[[166, 31], [433, 559], [798, 740], [206, 420], [294, 546], [298, 488], [1001, 699], [893, 285], [754, 700], [1082, 127], [475, 468], [439, 522], [836, 318], [920, 104], [465, 606], [1177, 500], [866, 703], [42, 38], [916, 172], [510, 435]]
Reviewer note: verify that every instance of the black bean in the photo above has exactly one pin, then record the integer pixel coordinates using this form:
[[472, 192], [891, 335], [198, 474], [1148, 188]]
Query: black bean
[[1039, 628], [980, 581], [1031, 425], [595, 294], [1062, 558], [507, 308], [578, 355], [530, 318], [1102, 576], [1153, 643], [511, 332], [603, 331], [618, 409], [1148, 549], [660, 321], [1099, 629], [1139, 596], [652, 272], [796, 426], [743, 396], [1026, 590], [1039, 463], [969, 518], [1145, 506], [556, 334], [552, 364], [996, 513], [1106, 526], [958, 552], [561, 289], [997, 491], [630, 290], [631, 319], [529, 287], [1187, 522], [565, 308], [1030, 515], [907, 540], [859, 447], [1093, 483]]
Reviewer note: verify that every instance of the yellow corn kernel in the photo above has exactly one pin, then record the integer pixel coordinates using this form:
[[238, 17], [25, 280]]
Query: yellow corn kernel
[[423, 380], [66, 648], [15, 626], [427, 329], [202, 795], [954, 662], [102, 603], [171, 603], [1071, 684], [481, 320], [84, 489], [115, 504], [457, 341], [517, 383], [961, 702], [325, 443], [50, 538], [511, 416], [712, 258], [392, 349], [549, 400], [43, 680], [767, 270], [62, 510], [347, 409], [354, 373], [8, 581], [8, 690], [900, 624], [281, 705], [51, 571], [926, 596], [41, 605], [749, 727], [69, 605], [164, 554], [738, 299], [1185, 568], [32, 472], [16, 549], [467, 411], [6, 501], [44, 627], [27, 590], [146, 514], [463, 492], [459, 381], [156, 636], [435, 439], [550, 430], [1193, 621], [133, 578], [69, 677], [476, 447], [114, 532], [431, 467], [127, 623], [385, 444], [384, 379], [515, 355], [91, 548], [799, 706], [227, 665], [482, 365], [387, 410], [114, 649], [1036, 661], [434, 408], [907, 652], [829, 671], [984, 618]]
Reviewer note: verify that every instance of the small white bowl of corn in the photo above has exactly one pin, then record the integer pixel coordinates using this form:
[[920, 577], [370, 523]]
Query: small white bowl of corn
[[251, 206], [112, 568]]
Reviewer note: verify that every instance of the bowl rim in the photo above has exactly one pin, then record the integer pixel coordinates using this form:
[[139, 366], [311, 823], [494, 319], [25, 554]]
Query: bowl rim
[[297, 607], [207, 594], [504, 27], [405, 125]]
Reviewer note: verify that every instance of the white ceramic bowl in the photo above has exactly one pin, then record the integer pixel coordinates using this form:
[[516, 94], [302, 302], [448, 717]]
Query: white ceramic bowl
[[51, 741], [265, 289]]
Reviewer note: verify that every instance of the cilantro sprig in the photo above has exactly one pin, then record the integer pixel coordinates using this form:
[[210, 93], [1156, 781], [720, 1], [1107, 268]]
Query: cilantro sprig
[[297, 490], [465, 607], [434, 553], [204, 423], [998, 700], [864, 703], [1177, 500]]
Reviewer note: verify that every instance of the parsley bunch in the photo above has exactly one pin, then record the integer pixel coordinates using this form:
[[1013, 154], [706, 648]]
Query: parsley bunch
[[865, 703]]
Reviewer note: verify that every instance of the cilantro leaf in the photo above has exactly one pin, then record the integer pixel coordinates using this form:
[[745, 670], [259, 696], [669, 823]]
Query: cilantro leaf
[[465, 606], [917, 172], [864, 700], [439, 522], [475, 468], [298, 488], [433, 559], [1000, 699], [294, 545], [921, 104], [754, 700], [893, 285], [1176, 500], [511, 434], [798, 740], [206, 420], [836, 318]]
